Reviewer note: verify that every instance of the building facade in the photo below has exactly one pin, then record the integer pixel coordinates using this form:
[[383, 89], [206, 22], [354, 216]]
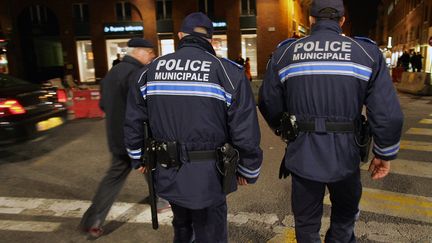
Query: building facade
[[43, 39], [405, 25]]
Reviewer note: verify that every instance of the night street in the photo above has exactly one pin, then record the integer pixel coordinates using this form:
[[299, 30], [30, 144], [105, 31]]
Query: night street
[[47, 185]]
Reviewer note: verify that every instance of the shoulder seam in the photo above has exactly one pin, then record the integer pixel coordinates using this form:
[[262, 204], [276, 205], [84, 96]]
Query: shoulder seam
[[283, 54], [361, 48], [229, 79]]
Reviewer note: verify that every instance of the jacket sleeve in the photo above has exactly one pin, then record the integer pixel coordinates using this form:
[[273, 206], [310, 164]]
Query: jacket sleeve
[[271, 96], [136, 115], [244, 131], [384, 112]]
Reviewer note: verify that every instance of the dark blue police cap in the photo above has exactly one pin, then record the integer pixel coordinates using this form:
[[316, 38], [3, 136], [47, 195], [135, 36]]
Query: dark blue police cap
[[139, 42], [197, 19], [318, 5]]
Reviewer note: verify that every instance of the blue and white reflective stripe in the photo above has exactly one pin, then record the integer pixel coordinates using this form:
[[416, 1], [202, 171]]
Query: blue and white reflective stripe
[[388, 151], [144, 91], [188, 89], [248, 173], [326, 68], [134, 154]]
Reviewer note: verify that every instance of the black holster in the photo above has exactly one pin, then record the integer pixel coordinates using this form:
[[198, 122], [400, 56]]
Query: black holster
[[167, 154], [363, 138], [228, 158], [288, 129]]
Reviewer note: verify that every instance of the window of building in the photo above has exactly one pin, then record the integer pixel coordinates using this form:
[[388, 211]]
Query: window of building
[[85, 61], [166, 46], [163, 9], [206, 6], [38, 14], [220, 45], [114, 47], [249, 49], [81, 12], [123, 11], [248, 7]]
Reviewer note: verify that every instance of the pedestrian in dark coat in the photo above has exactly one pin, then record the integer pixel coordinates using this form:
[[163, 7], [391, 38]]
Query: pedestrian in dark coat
[[114, 89]]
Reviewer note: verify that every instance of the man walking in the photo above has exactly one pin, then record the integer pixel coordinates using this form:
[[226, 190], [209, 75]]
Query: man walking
[[114, 89]]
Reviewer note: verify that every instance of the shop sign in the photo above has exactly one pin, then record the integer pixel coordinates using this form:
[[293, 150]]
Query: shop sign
[[124, 28], [220, 25]]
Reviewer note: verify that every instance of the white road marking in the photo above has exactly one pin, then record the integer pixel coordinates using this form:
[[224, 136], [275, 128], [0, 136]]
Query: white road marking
[[368, 231], [121, 211], [32, 226], [419, 131], [406, 167], [395, 204]]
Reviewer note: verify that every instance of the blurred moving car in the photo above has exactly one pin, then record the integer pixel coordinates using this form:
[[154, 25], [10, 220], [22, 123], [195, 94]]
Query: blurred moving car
[[28, 110]]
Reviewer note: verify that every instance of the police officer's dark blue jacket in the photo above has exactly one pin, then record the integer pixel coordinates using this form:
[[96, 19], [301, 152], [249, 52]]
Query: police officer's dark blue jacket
[[200, 101], [114, 91], [329, 77]]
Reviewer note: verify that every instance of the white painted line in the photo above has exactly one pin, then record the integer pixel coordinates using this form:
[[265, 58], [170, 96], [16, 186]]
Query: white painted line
[[420, 131], [122, 212], [406, 167], [416, 145], [369, 231], [395, 204], [425, 121], [11, 210], [32, 226]]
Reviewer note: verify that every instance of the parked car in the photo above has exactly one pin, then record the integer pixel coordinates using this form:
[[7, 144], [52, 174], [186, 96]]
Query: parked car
[[28, 110]]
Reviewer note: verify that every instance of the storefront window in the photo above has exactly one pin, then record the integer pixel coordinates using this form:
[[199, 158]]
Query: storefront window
[[220, 45], [85, 61], [114, 47], [3, 58], [166, 46], [249, 49]]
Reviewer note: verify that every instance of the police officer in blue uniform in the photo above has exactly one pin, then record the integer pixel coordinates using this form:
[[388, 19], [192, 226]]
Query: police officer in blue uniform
[[197, 102], [322, 82]]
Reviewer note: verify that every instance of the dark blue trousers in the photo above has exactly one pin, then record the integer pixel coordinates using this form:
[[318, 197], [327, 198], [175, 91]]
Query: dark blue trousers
[[307, 206], [208, 225]]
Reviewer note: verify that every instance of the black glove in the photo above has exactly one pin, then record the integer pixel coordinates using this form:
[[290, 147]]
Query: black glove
[[283, 172]]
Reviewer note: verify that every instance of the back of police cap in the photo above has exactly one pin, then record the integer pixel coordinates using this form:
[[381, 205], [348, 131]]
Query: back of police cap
[[319, 5], [139, 42], [197, 19]]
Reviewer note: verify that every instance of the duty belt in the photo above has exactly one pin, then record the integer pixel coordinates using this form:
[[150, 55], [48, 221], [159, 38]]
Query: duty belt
[[342, 127], [202, 155]]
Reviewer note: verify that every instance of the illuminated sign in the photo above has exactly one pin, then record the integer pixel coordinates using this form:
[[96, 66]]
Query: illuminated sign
[[219, 24], [124, 28]]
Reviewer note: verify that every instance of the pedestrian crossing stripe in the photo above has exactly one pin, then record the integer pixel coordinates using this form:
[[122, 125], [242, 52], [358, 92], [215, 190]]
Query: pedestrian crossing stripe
[[416, 145], [395, 204], [369, 231], [425, 121], [420, 131], [29, 226], [406, 167], [120, 211]]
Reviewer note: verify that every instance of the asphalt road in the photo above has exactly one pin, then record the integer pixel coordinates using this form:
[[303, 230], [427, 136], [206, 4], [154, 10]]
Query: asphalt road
[[46, 185]]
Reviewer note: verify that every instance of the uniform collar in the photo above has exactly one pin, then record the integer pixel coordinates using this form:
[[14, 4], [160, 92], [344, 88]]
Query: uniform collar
[[327, 26], [196, 41], [131, 60]]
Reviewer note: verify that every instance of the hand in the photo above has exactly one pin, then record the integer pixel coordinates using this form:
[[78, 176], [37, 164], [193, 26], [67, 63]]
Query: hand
[[379, 168], [241, 181], [142, 169]]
